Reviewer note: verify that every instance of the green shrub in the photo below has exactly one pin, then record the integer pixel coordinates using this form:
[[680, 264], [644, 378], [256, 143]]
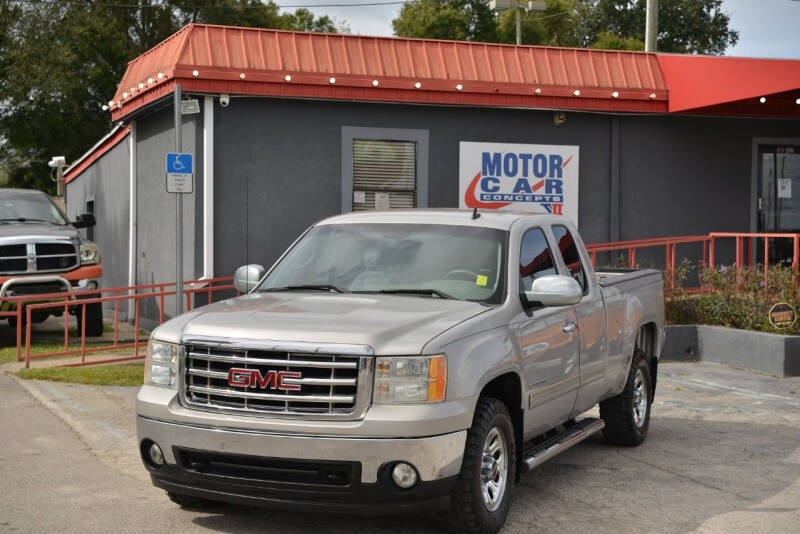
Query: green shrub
[[736, 297]]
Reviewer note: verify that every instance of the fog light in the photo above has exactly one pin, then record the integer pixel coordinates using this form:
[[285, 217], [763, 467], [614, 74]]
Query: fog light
[[404, 475], [155, 454], [87, 284]]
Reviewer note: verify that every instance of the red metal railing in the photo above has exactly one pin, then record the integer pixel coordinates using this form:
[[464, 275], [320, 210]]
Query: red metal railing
[[26, 307], [745, 247], [750, 248], [670, 245]]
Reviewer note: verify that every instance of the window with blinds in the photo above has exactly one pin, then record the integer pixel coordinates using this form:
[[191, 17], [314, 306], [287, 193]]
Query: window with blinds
[[384, 174]]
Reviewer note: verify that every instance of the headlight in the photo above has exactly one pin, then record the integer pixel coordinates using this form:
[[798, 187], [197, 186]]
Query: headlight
[[161, 367], [90, 254], [410, 379]]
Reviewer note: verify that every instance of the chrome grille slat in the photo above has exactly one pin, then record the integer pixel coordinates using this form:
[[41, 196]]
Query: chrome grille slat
[[39, 257], [269, 396], [276, 362], [331, 384]]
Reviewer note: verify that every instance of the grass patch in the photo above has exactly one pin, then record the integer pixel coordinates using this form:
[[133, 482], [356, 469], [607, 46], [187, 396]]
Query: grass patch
[[129, 374], [9, 354]]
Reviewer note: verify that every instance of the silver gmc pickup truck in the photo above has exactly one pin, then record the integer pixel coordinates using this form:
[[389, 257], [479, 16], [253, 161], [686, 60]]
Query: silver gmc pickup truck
[[401, 361]]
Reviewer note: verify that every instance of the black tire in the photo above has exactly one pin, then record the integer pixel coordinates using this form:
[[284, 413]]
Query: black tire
[[468, 513], [36, 318], [94, 319], [189, 502], [625, 425]]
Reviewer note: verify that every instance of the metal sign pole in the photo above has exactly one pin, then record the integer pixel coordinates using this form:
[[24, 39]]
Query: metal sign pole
[[178, 208]]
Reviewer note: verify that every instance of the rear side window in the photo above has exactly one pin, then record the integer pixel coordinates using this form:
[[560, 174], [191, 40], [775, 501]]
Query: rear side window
[[535, 258], [569, 252]]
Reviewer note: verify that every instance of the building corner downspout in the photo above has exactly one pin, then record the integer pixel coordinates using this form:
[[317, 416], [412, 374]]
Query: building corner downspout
[[208, 187], [132, 234]]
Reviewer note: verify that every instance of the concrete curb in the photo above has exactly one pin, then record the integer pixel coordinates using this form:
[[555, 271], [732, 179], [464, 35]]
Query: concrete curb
[[776, 354]]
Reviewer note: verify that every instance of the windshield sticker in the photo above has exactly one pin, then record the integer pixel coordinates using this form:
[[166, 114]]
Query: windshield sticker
[[482, 280]]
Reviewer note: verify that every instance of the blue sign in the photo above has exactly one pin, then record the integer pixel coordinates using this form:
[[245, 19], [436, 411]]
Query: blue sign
[[179, 163]]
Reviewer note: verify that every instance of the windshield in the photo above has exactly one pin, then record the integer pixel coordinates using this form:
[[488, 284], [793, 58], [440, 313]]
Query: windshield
[[29, 208], [436, 261]]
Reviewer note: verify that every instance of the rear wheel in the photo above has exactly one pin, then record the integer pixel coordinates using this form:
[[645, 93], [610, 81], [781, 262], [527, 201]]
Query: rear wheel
[[94, 319], [482, 496], [627, 416]]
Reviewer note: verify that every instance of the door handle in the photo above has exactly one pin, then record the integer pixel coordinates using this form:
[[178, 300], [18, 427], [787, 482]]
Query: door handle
[[569, 326]]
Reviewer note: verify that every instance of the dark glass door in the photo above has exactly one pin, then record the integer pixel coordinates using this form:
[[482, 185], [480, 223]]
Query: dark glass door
[[779, 198]]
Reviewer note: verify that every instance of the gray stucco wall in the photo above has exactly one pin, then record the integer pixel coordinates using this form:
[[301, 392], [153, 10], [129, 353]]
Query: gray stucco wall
[[107, 180], [156, 220], [278, 164], [682, 175], [277, 167]]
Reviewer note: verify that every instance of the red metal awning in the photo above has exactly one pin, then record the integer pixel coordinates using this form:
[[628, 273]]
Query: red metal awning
[[263, 62], [732, 85]]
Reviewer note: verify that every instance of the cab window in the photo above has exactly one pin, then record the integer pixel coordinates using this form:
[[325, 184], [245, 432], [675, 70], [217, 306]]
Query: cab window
[[569, 252], [535, 258]]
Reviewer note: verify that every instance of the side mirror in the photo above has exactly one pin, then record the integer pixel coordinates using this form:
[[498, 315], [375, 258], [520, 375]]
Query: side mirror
[[84, 220], [554, 290], [246, 277]]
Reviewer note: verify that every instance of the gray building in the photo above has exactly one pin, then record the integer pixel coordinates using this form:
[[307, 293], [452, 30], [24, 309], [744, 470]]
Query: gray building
[[295, 127]]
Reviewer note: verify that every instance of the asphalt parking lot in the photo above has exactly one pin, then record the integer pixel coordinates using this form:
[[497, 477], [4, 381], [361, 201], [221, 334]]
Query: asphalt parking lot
[[723, 455]]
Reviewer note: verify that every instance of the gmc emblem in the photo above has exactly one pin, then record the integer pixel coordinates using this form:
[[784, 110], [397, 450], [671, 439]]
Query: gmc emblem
[[253, 378]]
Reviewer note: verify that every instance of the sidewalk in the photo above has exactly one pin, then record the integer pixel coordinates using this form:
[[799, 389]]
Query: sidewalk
[[102, 416]]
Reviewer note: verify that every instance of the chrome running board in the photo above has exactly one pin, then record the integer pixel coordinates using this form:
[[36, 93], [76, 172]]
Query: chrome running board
[[571, 435]]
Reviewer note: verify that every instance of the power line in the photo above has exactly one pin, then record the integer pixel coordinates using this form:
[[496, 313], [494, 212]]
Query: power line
[[228, 6], [201, 6]]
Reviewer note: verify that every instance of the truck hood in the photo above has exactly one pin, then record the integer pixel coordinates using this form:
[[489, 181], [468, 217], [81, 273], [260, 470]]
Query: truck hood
[[15, 232], [390, 324]]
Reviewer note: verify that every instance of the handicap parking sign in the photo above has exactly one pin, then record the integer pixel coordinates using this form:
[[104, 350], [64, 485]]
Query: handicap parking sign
[[179, 173]]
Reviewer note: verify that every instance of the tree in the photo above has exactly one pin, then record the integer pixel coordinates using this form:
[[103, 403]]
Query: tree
[[61, 61], [686, 26], [611, 41], [461, 20]]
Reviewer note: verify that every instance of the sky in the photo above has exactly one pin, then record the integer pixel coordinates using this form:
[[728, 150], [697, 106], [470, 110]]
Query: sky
[[767, 28]]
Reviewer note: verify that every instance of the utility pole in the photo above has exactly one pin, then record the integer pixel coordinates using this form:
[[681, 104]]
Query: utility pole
[[178, 207], [530, 5], [651, 27]]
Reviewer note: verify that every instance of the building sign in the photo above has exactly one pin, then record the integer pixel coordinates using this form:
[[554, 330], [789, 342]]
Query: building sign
[[533, 178], [179, 173], [782, 315], [784, 188]]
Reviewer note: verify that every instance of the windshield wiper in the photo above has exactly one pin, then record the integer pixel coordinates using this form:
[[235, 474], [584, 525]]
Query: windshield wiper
[[23, 219], [420, 291], [317, 287]]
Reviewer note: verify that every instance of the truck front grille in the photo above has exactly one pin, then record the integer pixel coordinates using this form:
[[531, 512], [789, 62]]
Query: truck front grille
[[222, 378], [45, 257], [55, 257]]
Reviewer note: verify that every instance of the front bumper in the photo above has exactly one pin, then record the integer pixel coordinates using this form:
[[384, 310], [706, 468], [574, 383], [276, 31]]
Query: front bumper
[[369, 460]]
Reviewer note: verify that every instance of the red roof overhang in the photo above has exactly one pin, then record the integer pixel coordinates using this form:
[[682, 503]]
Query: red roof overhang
[[260, 62], [731, 85]]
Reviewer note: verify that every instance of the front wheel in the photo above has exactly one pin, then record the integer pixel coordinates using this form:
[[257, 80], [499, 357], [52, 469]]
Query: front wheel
[[94, 319], [627, 416], [482, 496]]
